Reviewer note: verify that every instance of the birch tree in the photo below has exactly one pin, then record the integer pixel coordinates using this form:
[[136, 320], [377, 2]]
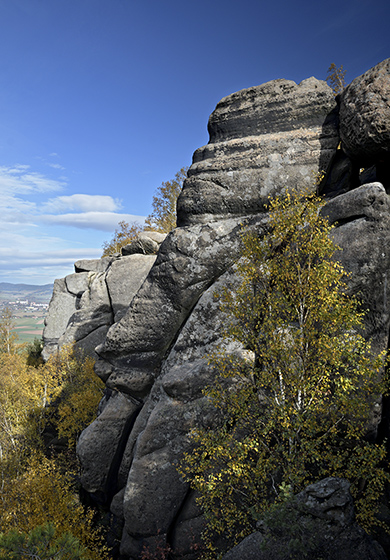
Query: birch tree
[[294, 405]]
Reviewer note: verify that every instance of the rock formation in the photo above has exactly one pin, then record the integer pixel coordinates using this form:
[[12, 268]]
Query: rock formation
[[324, 514], [86, 303], [152, 351]]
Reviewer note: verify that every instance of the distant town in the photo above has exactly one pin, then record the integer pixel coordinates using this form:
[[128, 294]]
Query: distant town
[[29, 305], [24, 305]]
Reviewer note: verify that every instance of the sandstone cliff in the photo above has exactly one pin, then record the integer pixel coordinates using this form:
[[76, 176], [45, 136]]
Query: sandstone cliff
[[153, 319]]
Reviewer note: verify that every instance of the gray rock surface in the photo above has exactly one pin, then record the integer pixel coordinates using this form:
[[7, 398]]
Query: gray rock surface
[[124, 278], [324, 513], [154, 356], [262, 140], [62, 306], [114, 421], [362, 219], [365, 116], [93, 265], [85, 304]]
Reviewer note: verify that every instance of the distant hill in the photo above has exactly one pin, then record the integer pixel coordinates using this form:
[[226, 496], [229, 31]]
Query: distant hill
[[39, 294]]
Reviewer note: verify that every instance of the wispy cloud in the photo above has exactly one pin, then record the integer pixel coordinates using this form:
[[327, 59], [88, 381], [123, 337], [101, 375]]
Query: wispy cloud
[[103, 221], [18, 185], [83, 203], [56, 166], [19, 180], [40, 266], [64, 257], [34, 246]]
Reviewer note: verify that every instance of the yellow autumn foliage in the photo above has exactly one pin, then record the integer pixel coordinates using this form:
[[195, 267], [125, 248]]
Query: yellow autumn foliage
[[295, 408], [81, 391], [35, 488]]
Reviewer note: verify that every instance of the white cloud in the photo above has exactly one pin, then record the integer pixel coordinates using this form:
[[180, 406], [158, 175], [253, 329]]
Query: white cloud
[[34, 247], [41, 267], [56, 166], [27, 259], [17, 180], [83, 203], [103, 221]]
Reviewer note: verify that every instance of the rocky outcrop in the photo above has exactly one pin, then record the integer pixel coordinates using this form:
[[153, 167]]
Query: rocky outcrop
[[85, 304], [365, 116], [262, 140], [153, 357], [320, 522]]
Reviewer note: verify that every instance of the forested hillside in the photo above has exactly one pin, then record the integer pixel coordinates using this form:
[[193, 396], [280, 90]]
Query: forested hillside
[[43, 408]]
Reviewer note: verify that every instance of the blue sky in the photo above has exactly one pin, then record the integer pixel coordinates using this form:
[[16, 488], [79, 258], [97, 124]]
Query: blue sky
[[102, 100]]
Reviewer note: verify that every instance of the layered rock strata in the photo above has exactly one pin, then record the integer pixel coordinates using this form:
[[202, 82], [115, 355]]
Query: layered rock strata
[[154, 356]]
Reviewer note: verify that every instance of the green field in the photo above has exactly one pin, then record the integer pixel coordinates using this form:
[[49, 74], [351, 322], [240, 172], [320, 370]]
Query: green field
[[28, 328]]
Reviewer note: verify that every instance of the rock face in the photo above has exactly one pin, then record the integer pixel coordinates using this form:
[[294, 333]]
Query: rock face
[[86, 303], [262, 140], [365, 115], [324, 512], [157, 331], [364, 122]]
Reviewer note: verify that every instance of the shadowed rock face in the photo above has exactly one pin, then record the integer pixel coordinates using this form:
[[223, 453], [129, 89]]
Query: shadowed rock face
[[365, 116], [325, 512], [262, 140]]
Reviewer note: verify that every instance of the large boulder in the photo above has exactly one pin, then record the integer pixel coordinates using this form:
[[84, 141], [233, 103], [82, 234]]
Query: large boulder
[[156, 353], [61, 308], [320, 522], [85, 304], [262, 140], [365, 116]]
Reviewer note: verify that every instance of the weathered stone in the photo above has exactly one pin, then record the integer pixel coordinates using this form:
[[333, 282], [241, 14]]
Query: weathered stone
[[100, 444], [175, 404], [103, 369], [142, 245], [124, 279], [340, 177], [186, 539], [93, 265], [86, 345], [161, 485], [250, 548], [61, 307], [189, 261], [146, 243], [77, 283], [325, 522], [156, 236], [362, 217], [365, 116], [262, 140], [89, 324]]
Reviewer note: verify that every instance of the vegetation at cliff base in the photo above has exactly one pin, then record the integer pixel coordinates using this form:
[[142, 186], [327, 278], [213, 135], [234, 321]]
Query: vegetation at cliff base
[[43, 408], [41, 543], [295, 404]]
